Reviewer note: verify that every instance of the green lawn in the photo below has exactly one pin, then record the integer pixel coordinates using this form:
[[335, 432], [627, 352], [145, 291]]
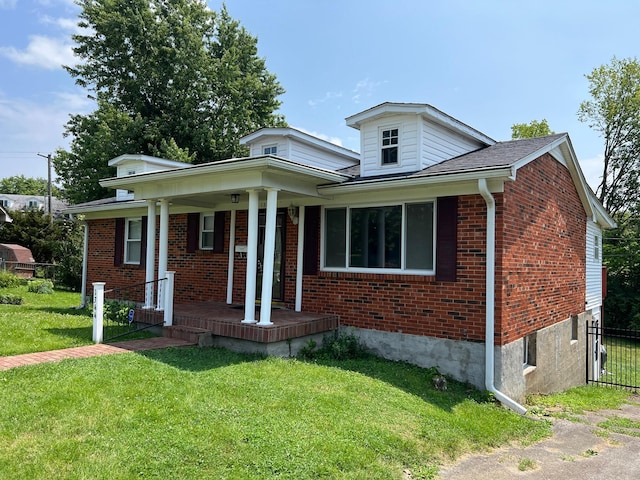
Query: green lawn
[[42, 322], [623, 360], [210, 413]]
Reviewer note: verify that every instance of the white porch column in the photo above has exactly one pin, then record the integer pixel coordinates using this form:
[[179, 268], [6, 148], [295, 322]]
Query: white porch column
[[163, 253], [232, 248], [299, 262], [252, 259], [269, 252], [150, 265]]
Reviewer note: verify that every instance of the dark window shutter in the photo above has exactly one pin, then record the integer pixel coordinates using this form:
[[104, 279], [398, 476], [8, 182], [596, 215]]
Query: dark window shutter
[[143, 243], [118, 248], [218, 232], [193, 232], [447, 239], [311, 234]]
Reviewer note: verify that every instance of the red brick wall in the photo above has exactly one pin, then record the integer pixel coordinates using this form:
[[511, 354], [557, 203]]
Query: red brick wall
[[413, 304], [540, 258], [540, 274]]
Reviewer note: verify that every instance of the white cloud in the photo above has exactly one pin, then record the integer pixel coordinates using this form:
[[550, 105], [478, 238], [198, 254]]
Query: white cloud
[[365, 88], [8, 4], [327, 96], [26, 125], [67, 24], [45, 52]]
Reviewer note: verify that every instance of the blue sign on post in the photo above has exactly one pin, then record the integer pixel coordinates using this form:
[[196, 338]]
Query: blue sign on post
[[131, 312]]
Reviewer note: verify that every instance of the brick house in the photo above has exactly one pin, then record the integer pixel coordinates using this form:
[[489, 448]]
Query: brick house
[[430, 241]]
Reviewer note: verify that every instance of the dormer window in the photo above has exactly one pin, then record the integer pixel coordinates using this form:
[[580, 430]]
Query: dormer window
[[389, 147], [34, 205], [271, 150]]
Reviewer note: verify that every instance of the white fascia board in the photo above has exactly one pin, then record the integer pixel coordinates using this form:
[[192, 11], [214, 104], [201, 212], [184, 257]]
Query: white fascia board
[[107, 207], [503, 174], [426, 110], [251, 164]]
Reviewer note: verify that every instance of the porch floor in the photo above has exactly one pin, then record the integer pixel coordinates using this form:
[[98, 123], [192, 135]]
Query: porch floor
[[224, 320]]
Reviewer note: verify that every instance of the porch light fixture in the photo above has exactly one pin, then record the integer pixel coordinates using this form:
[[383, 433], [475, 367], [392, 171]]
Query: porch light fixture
[[235, 198], [293, 214]]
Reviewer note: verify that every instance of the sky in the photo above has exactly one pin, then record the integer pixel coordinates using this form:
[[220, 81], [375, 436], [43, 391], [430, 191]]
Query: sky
[[489, 64]]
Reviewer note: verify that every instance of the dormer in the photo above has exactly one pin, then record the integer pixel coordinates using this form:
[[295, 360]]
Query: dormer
[[299, 147], [6, 202], [135, 164], [408, 137], [33, 203]]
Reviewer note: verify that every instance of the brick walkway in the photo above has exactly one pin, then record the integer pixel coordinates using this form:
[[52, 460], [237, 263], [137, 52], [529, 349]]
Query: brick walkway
[[153, 343]]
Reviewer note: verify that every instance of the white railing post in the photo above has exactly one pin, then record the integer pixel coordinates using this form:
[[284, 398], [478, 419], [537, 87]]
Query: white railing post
[[98, 311], [168, 299]]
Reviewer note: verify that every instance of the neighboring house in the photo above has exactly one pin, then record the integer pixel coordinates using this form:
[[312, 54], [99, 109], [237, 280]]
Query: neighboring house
[[11, 202], [430, 241], [17, 259]]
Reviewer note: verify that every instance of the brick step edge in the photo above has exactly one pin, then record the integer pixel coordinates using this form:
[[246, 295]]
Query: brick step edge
[[184, 332]]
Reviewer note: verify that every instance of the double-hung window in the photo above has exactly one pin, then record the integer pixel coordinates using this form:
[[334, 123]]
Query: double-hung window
[[133, 240], [270, 150], [396, 237], [389, 146], [207, 222]]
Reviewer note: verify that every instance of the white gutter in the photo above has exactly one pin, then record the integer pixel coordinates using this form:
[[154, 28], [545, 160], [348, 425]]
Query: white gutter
[[85, 256], [490, 299]]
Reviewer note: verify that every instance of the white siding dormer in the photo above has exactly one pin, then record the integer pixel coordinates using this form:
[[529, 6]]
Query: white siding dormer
[[299, 147], [127, 165], [425, 136]]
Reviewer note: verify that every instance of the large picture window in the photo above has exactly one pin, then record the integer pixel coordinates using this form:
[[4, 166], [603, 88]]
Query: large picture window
[[133, 240], [390, 237]]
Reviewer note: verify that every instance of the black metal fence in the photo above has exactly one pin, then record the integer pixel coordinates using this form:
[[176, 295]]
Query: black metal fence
[[126, 312], [613, 356]]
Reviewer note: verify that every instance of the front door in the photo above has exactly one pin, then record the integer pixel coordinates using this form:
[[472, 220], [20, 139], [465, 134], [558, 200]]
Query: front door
[[278, 261]]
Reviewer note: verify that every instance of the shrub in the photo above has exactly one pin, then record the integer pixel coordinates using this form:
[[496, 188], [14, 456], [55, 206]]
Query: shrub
[[10, 299], [336, 346], [117, 311], [8, 280], [40, 286]]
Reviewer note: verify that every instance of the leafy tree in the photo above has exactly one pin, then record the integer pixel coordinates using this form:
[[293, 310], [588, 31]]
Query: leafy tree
[[58, 242], [172, 79], [614, 112], [21, 185], [530, 130]]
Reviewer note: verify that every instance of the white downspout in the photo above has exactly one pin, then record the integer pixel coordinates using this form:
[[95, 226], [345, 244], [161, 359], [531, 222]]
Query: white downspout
[[490, 299], [85, 259]]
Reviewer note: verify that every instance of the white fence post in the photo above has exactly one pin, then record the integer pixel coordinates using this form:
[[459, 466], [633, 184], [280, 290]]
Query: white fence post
[[98, 310], [168, 300]]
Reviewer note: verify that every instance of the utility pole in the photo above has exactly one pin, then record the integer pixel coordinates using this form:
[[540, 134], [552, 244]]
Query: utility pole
[[48, 157]]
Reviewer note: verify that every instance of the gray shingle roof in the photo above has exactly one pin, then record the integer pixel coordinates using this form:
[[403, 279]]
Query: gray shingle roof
[[499, 155]]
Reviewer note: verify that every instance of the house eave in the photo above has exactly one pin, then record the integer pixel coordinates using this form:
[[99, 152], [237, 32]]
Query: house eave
[[260, 163], [504, 174]]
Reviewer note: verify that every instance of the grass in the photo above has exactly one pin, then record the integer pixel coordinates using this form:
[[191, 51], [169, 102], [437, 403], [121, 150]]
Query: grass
[[580, 399], [210, 413], [42, 322], [46, 322], [623, 360]]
